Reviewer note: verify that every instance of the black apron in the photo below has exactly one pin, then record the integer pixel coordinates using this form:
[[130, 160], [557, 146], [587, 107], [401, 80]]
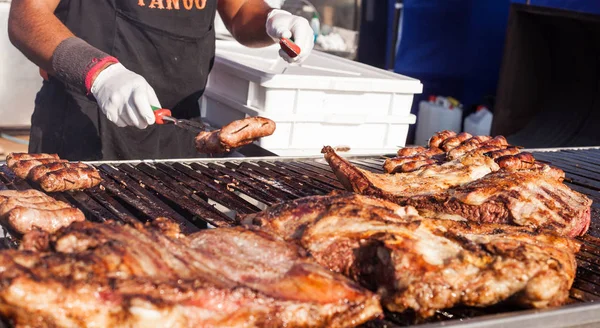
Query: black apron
[[170, 43]]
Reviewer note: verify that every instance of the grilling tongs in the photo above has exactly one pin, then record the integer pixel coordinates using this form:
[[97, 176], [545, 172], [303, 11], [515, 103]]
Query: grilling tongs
[[163, 115]]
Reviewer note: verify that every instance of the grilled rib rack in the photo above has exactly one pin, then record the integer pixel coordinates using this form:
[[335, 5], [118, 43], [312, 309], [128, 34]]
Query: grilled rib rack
[[212, 192]]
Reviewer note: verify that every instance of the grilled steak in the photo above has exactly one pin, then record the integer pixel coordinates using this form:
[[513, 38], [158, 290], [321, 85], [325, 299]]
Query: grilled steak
[[535, 198], [426, 180], [426, 264], [109, 275], [233, 135]]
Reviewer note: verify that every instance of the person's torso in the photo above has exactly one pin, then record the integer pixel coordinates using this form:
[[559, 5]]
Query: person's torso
[[171, 43]]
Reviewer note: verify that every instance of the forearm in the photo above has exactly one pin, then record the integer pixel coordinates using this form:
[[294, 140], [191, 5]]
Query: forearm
[[35, 31], [246, 21]]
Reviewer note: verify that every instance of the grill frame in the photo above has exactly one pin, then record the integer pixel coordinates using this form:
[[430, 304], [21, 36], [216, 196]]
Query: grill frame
[[175, 188]]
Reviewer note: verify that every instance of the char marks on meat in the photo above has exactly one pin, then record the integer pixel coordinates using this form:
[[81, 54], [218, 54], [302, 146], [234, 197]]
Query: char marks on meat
[[110, 275], [425, 264], [535, 198], [425, 180]]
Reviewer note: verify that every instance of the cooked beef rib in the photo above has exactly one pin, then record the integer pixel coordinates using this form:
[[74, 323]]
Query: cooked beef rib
[[110, 275], [425, 264]]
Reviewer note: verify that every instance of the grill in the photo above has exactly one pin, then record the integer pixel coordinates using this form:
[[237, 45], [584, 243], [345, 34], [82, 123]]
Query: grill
[[207, 193]]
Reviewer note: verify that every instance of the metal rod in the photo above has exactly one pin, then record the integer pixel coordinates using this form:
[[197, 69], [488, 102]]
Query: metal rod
[[211, 189], [236, 185]]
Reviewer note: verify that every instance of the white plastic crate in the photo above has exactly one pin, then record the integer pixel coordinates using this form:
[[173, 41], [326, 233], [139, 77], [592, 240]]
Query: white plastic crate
[[326, 100], [322, 83], [306, 134]]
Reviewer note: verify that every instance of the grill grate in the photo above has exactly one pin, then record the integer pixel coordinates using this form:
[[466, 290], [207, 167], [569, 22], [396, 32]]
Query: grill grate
[[205, 193]]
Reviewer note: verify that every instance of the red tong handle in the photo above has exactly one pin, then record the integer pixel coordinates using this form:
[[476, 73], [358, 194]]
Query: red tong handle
[[289, 47], [159, 113]]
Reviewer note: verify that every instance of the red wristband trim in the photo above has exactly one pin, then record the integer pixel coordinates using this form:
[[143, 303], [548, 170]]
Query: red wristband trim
[[97, 64]]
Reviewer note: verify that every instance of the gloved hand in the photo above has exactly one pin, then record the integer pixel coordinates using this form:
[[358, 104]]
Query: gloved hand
[[125, 97], [281, 23]]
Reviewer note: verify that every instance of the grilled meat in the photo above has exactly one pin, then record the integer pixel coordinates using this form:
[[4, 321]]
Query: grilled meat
[[453, 142], [533, 198], [466, 189], [397, 187], [27, 193], [12, 158], [38, 172], [521, 161], [392, 165], [23, 219], [71, 178], [33, 202], [413, 166], [235, 134], [26, 210], [53, 174], [109, 275], [22, 168], [503, 152], [474, 143], [426, 264], [411, 151], [436, 140]]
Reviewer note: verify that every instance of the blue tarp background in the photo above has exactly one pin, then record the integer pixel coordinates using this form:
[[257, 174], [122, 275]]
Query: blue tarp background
[[454, 47]]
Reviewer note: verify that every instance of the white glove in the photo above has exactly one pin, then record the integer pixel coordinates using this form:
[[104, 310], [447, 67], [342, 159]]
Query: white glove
[[125, 97], [282, 24]]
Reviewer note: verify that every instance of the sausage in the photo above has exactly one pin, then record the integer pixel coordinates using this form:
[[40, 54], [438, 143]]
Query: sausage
[[39, 171], [413, 166], [484, 149], [234, 135], [519, 161], [22, 219], [453, 142], [411, 151], [418, 150], [503, 152], [498, 141], [436, 140], [12, 203], [466, 146], [390, 164], [23, 193], [70, 179], [22, 168], [28, 200], [12, 158]]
